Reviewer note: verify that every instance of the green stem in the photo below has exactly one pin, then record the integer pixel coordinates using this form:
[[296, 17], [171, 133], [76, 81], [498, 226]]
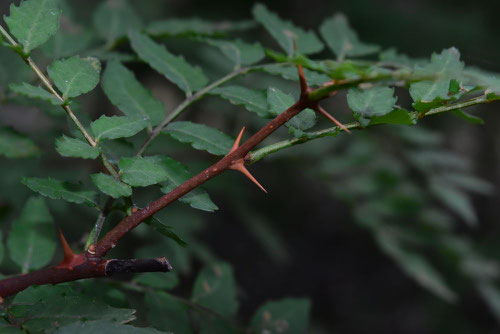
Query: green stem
[[66, 108], [333, 131]]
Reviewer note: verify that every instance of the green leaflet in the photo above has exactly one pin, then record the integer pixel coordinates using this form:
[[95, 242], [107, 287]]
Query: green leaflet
[[47, 307], [141, 172], [12, 69], [279, 102], [178, 174], [414, 265], [174, 68], [60, 190], [75, 76], [35, 92], [116, 127], [215, 288], [195, 27], [468, 117], [75, 148], [342, 40], [166, 230], [167, 313], [201, 137], [103, 326], [66, 43], [15, 145], [128, 95], [253, 100], [396, 116], [113, 19], [443, 68], [367, 103], [239, 52], [313, 78], [289, 313], [285, 33], [33, 22], [456, 200], [32, 241], [108, 185]]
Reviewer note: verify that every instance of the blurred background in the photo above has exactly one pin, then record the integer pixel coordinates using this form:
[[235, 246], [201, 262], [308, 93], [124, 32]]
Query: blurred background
[[390, 230]]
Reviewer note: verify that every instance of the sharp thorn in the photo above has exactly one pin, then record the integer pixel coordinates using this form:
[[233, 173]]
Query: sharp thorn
[[302, 77], [333, 119], [237, 141], [240, 167], [68, 253]]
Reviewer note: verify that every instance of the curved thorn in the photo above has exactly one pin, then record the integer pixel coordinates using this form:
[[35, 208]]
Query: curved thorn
[[240, 167], [237, 141], [331, 118], [68, 252]]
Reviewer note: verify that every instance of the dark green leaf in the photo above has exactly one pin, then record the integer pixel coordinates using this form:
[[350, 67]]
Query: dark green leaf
[[33, 22], [165, 281], [126, 93], [103, 326], [201, 137], [178, 174], [60, 190], [108, 185], [342, 40], [45, 308], [289, 315], [75, 148], [251, 99], [456, 200], [166, 230], [142, 172], [195, 27], [167, 313], [35, 92], [31, 241], [313, 78], [285, 33], [215, 289], [75, 76], [174, 68], [239, 52], [396, 116], [16, 145], [117, 127], [468, 117], [114, 18]]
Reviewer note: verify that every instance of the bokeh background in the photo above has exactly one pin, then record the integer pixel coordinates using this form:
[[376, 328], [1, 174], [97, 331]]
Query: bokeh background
[[306, 237]]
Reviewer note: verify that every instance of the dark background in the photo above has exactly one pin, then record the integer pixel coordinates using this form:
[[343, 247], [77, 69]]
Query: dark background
[[354, 287]]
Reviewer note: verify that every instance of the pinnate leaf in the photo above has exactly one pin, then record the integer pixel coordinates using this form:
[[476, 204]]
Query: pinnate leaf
[[33, 22], [75, 148], [178, 174], [239, 52], [108, 185], [201, 137], [75, 76], [215, 288], [285, 33], [16, 145], [251, 99], [141, 172], [116, 127], [289, 315], [31, 241], [45, 308], [114, 18], [35, 92], [342, 40], [60, 190], [175, 68], [279, 102], [128, 95]]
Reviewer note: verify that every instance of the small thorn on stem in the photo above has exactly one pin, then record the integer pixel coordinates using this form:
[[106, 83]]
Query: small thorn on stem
[[237, 141], [240, 167], [68, 253], [331, 118]]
